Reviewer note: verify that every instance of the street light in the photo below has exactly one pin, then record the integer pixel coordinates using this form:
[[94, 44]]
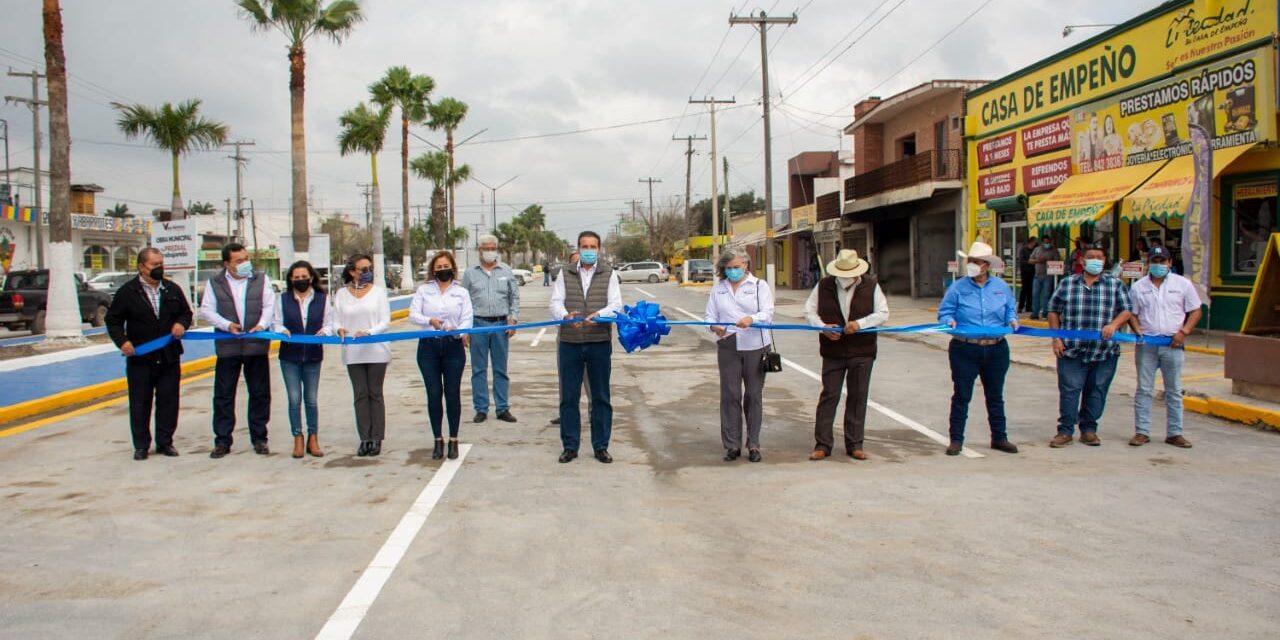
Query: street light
[[1066, 31], [494, 199]]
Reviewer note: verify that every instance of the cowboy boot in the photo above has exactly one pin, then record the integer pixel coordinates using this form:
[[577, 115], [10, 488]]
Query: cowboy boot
[[313, 446]]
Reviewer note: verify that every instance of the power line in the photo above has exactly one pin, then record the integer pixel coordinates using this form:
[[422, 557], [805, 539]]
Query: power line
[[846, 49]]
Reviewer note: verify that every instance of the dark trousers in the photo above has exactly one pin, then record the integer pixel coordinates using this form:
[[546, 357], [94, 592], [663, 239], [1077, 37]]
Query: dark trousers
[[595, 359], [968, 363], [1082, 392], [834, 373], [150, 381], [1025, 294], [441, 361], [226, 378], [739, 369], [366, 392]]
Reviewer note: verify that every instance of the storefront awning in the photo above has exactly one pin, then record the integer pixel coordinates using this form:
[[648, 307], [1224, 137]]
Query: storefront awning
[[1085, 197], [1166, 194]]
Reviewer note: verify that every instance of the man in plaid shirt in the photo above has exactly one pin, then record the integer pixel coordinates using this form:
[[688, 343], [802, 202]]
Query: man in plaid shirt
[[1087, 301]]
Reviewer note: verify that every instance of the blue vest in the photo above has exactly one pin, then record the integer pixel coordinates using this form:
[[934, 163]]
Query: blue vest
[[291, 317]]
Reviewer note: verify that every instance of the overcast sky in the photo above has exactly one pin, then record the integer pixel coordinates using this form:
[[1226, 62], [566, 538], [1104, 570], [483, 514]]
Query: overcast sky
[[525, 68]]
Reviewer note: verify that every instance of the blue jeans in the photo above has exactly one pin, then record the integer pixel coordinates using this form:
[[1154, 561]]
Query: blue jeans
[[441, 361], [1168, 360], [302, 382], [1082, 393], [483, 347], [968, 363], [546, 277], [1042, 290], [595, 359]]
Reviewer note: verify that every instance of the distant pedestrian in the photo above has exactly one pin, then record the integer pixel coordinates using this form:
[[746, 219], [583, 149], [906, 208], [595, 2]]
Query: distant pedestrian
[[1026, 276], [442, 305], [741, 298], [143, 309], [361, 308], [1165, 304], [1077, 256], [303, 310], [1088, 301], [1043, 285], [849, 299], [495, 301], [546, 273], [976, 302]]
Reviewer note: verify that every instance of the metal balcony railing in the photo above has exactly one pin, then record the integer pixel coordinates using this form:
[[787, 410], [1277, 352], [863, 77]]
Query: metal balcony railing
[[922, 167]]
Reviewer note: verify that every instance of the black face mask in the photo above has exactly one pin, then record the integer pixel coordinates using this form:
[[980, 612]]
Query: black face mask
[[301, 285], [157, 273], [444, 275]]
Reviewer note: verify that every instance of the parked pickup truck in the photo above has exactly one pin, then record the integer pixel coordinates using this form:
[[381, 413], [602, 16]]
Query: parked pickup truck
[[23, 299]]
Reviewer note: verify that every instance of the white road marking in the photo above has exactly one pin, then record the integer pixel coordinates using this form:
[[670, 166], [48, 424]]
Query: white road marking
[[890, 413], [645, 292], [347, 618], [538, 338]]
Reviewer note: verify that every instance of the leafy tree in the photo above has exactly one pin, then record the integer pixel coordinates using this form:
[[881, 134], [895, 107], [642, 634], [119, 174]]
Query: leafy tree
[[434, 167], [201, 209], [177, 130], [448, 114], [120, 210], [364, 130], [742, 203], [409, 93]]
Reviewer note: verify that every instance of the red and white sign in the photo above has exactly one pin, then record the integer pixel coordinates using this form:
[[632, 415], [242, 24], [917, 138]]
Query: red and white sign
[[953, 266], [1055, 268], [996, 185], [1132, 270], [1043, 177], [1047, 136], [998, 150]]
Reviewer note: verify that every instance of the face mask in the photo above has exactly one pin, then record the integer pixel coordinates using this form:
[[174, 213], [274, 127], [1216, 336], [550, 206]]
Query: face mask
[[489, 256], [973, 270], [1047, 245], [1093, 266], [1159, 270], [734, 274], [301, 285], [444, 275], [587, 256], [244, 269], [157, 273], [365, 278]]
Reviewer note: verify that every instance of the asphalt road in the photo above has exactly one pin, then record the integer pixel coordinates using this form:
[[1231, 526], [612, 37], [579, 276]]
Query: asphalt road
[[669, 541]]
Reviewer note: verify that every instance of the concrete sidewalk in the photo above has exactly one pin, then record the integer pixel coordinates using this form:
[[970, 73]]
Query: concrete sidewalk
[[1206, 390]]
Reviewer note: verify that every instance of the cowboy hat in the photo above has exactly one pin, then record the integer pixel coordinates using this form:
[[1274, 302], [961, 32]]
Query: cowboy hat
[[847, 265], [983, 251]]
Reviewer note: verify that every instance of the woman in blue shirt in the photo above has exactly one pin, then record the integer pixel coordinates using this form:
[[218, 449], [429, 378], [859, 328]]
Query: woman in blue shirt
[[975, 302]]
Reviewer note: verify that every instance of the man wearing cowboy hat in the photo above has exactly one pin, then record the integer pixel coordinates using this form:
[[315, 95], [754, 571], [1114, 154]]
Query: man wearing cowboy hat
[[849, 300], [980, 307]]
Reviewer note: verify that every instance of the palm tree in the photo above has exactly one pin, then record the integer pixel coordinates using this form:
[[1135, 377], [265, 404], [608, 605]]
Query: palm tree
[[175, 129], [62, 312], [448, 114], [364, 130], [434, 166], [201, 209], [298, 20], [400, 88], [121, 210]]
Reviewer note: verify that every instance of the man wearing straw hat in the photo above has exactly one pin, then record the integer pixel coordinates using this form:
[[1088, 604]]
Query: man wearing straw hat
[[975, 303], [850, 299]]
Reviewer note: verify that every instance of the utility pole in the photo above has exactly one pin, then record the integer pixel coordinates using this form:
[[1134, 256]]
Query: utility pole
[[418, 215], [728, 213], [715, 202], [228, 236], [688, 170], [651, 218], [253, 222], [634, 205], [240, 161], [366, 190], [34, 103], [761, 23]]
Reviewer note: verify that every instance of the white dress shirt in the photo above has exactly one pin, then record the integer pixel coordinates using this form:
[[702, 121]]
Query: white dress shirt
[[1163, 310], [304, 306], [239, 287], [452, 306], [753, 298], [878, 316], [613, 295], [370, 314]]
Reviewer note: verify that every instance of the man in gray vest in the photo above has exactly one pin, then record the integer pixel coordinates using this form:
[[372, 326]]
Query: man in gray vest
[[585, 290], [235, 299]]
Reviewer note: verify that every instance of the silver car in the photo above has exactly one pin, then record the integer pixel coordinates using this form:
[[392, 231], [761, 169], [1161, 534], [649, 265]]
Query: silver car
[[643, 272]]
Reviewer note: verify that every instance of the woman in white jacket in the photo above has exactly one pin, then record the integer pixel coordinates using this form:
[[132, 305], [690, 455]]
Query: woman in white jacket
[[741, 298], [361, 308]]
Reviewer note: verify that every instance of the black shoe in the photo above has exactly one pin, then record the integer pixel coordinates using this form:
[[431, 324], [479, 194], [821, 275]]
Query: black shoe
[[732, 454], [260, 448], [453, 450], [219, 451], [754, 455], [167, 450], [603, 456], [375, 448], [139, 454], [480, 417], [568, 455], [1005, 446], [364, 448], [506, 416], [555, 421], [437, 452], [954, 448]]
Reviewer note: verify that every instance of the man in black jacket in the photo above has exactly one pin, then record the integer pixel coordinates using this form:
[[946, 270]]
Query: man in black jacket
[[146, 308]]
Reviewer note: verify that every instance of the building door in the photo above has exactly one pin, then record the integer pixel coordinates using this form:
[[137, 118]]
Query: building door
[[934, 246], [1012, 237]]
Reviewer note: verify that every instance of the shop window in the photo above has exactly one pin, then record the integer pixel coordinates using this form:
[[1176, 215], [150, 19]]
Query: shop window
[[1253, 220], [906, 146], [96, 258]]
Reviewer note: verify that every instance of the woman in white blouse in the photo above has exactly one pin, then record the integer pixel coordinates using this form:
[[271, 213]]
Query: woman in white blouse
[[442, 304], [361, 309], [739, 297]]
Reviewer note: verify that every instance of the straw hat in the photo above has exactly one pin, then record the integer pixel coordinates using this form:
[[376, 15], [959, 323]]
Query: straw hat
[[983, 251], [847, 265]]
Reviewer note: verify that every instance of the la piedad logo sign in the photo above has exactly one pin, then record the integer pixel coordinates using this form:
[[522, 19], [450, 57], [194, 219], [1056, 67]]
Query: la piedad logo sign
[[1190, 28]]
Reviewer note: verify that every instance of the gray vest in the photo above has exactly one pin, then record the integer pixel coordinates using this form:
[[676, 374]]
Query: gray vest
[[597, 298], [252, 315]]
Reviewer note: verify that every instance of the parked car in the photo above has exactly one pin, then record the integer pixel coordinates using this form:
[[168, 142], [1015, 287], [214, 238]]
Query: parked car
[[25, 295], [643, 272], [701, 271], [110, 281], [523, 276]]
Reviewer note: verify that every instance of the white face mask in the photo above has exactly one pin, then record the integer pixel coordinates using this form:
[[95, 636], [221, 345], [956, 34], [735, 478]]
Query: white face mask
[[973, 270], [489, 256]]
